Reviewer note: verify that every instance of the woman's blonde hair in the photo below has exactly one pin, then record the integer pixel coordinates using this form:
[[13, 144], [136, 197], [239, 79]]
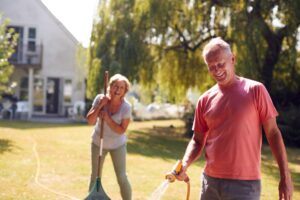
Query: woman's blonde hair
[[119, 77]]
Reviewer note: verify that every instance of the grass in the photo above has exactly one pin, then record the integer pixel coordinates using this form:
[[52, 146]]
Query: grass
[[52, 161]]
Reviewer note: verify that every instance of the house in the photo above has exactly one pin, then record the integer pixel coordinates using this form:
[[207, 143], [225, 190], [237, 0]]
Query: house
[[46, 75]]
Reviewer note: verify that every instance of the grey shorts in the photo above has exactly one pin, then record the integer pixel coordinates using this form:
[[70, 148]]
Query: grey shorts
[[228, 189]]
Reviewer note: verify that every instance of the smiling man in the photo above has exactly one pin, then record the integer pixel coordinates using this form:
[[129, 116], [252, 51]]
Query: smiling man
[[228, 123]]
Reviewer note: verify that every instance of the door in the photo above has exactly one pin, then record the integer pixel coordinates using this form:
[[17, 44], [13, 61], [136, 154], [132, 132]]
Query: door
[[52, 96]]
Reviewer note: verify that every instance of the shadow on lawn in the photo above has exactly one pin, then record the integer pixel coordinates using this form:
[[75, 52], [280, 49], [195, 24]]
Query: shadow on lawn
[[166, 143], [35, 125], [169, 143], [270, 167], [6, 146], [273, 171], [156, 146]]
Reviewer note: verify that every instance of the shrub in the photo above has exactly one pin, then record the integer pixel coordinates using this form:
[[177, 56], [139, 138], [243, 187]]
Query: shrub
[[289, 124]]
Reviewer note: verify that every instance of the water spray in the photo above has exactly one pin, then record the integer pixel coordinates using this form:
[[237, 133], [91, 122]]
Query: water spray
[[171, 176]]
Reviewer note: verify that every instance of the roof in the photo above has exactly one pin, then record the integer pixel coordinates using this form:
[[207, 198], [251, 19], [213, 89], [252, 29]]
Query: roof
[[58, 22]]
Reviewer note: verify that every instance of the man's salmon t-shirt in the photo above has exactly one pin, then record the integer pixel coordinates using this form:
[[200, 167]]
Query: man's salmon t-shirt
[[232, 118]]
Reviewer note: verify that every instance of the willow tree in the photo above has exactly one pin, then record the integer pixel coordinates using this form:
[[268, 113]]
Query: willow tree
[[116, 44], [7, 43], [265, 35], [159, 43]]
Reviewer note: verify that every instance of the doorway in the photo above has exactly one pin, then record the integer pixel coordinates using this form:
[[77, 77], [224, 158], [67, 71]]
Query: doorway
[[52, 95]]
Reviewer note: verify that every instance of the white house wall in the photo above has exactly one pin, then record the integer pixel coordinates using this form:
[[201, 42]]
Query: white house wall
[[59, 46]]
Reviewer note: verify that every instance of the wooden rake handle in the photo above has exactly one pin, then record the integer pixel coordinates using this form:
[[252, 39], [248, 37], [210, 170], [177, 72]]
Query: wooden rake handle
[[101, 127], [105, 91]]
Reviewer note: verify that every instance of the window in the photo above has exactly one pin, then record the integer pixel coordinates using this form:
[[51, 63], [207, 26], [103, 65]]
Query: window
[[24, 89], [32, 33], [68, 91], [18, 54], [31, 46]]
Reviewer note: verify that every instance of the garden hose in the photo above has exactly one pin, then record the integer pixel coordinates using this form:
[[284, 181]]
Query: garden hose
[[171, 176]]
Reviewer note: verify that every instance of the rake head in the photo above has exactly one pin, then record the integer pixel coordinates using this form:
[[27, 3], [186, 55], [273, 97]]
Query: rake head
[[97, 192]]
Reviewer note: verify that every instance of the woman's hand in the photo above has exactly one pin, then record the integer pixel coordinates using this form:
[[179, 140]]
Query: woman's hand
[[104, 115], [103, 101], [95, 110]]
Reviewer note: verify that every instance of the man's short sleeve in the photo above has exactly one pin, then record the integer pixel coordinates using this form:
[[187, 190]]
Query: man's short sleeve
[[265, 106], [199, 124]]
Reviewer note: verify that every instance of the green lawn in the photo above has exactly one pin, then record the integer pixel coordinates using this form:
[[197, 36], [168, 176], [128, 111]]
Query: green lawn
[[52, 161]]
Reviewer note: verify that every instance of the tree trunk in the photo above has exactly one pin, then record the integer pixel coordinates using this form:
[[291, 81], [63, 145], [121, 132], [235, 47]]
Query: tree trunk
[[271, 58]]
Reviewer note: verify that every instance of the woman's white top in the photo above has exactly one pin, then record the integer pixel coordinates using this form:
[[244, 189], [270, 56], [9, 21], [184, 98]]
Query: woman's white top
[[111, 139]]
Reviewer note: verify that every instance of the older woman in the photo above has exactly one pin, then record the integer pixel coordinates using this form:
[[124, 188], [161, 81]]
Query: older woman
[[116, 114]]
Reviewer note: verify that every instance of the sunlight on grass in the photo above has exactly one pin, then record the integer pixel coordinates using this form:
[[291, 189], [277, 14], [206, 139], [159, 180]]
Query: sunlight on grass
[[64, 155]]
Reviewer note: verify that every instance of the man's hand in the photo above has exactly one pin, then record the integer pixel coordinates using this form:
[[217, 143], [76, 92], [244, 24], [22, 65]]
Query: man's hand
[[286, 188], [182, 176], [275, 140]]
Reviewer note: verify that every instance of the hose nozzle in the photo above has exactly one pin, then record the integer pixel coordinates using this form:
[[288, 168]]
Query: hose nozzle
[[171, 176]]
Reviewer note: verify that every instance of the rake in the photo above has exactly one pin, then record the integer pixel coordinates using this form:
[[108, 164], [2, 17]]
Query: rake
[[97, 192]]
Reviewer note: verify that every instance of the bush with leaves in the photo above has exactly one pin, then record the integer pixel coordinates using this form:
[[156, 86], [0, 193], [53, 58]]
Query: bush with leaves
[[289, 124], [7, 43]]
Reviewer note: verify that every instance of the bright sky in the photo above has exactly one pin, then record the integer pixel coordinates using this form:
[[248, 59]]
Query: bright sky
[[76, 15]]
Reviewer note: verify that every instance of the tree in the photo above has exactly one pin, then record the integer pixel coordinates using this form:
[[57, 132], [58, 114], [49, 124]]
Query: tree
[[7, 43], [82, 65], [115, 44], [268, 38], [159, 43]]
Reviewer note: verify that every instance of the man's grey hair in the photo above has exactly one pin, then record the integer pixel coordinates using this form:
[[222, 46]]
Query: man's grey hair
[[214, 45]]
